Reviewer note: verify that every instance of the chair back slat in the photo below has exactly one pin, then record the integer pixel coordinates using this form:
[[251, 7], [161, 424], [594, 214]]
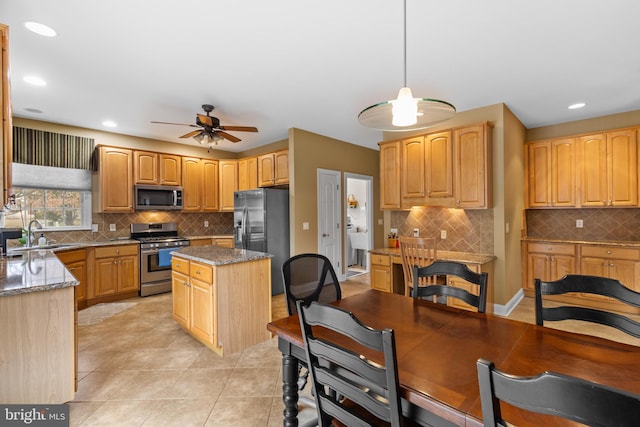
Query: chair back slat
[[370, 382], [555, 394], [450, 268], [587, 284], [420, 251]]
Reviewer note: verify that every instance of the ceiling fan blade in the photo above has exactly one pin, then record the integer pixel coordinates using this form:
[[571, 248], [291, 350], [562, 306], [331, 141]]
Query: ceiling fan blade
[[179, 124], [240, 128], [190, 134], [228, 136], [205, 120]]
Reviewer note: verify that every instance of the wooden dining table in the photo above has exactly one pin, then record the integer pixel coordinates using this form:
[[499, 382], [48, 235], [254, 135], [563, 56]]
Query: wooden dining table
[[437, 349]]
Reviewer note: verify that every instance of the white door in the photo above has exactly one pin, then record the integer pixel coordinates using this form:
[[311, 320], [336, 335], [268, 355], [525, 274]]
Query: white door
[[329, 217]]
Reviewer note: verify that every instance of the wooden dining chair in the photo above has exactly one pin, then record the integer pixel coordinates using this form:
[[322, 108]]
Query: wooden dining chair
[[450, 268], [555, 394], [587, 284], [349, 387], [420, 251]]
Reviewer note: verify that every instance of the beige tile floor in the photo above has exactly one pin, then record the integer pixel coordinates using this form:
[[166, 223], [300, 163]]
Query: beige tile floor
[[137, 367]]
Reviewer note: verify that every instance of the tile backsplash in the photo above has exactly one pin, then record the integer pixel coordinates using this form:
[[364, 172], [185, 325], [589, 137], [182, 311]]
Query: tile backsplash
[[467, 230], [189, 224], [608, 224]]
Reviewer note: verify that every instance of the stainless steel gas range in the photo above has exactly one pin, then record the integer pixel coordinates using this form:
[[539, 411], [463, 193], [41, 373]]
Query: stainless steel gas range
[[157, 241]]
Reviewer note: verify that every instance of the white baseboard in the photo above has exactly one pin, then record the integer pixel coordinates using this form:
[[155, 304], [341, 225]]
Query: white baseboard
[[505, 310]]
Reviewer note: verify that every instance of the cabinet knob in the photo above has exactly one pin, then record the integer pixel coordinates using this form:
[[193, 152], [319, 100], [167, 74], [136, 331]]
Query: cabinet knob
[[197, 271], [609, 252]]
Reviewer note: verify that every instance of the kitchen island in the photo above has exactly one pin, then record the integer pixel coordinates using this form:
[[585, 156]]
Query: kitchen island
[[222, 296], [37, 329]]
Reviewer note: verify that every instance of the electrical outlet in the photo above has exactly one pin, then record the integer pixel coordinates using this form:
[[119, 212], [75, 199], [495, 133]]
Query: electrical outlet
[[94, 228], [443, 234], [579, 223], [305, 225], [112, 227], [416, 232], [206, 223], [394, 231]]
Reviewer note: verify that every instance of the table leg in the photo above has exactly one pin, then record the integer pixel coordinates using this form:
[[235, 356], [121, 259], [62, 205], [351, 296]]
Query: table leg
[[290, 390]]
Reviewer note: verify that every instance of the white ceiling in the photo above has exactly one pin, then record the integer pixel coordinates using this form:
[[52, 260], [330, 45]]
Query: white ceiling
[[315, 65]]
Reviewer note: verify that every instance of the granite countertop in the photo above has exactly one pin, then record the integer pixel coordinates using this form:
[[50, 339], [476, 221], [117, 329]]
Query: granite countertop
[[218, 255], [627, 243], [209, 236], [33, 271], [462, 257]]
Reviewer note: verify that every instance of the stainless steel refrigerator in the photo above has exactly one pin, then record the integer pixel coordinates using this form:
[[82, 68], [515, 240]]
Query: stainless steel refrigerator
[[261, 223]]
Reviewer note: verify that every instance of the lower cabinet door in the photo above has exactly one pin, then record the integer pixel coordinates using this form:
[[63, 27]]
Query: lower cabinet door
[[202, 305], [180, 288]]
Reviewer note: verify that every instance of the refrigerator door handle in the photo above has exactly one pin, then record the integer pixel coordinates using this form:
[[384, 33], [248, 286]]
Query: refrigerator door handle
[[245, 227]]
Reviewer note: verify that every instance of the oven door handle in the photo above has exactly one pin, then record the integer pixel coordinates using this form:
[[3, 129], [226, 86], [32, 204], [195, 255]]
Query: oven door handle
[[149, 251]]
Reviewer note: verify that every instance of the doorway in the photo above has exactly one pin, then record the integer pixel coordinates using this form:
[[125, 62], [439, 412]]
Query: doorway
[[329, 217], [358, 230]]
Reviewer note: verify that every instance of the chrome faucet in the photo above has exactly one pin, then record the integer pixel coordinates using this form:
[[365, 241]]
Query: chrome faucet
[[30, 238]]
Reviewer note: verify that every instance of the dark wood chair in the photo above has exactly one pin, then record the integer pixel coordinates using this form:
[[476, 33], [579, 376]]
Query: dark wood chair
[[450, 268], [369, 389], [555, 394], [587, 284], [309, 277]]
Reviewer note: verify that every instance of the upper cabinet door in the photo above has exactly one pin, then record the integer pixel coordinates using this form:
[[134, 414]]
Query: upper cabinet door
[[116, 187], [472, 148], [170, 169], [412, 179], [622, 163], [538, 164], [192, 188], [563, 173], [145, 167], [390, 175], [593, 177], [438, 149]]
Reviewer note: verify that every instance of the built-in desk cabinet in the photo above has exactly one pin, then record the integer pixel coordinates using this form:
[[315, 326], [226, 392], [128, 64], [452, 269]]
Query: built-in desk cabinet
[[549, 261]]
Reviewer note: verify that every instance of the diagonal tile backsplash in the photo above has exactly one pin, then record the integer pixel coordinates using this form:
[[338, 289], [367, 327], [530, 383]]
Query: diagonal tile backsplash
[[467, 230]]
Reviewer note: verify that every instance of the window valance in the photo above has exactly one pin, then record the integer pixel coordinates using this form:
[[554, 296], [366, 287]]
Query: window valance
[[42, 148]]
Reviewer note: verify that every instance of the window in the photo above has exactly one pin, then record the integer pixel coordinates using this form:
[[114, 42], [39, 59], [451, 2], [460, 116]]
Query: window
[[59, 198], [54, 209]]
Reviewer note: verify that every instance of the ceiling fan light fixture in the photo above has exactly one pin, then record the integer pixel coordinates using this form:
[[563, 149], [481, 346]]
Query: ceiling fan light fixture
[[199, 137]]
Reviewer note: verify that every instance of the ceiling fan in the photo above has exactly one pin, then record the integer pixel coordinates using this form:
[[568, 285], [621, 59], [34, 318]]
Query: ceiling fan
[[211, 132]]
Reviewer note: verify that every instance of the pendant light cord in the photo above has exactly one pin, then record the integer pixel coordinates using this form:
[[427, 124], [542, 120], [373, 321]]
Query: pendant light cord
[[404, 25]]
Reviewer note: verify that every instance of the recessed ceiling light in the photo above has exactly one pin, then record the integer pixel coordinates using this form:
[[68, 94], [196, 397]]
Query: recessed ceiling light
[[577, 105], [34, 80], [33, 110], [40, 29], [109, 124]]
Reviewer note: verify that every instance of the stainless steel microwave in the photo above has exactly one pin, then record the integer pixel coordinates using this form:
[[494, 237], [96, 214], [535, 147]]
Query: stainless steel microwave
[[158, 197]]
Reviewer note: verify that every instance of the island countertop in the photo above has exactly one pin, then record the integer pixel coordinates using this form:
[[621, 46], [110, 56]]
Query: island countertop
[[218, 255], [33, 271], [463, 257]]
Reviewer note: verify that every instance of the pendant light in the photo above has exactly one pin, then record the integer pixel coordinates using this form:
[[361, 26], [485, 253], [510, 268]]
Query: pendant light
[[406, 112]]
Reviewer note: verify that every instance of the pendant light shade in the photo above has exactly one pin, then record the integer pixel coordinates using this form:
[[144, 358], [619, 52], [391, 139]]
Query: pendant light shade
[[406, 112]]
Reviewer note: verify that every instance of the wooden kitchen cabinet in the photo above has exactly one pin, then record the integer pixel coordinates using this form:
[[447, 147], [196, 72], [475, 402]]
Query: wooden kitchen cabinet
[[170, 169], [380, 272], [472, 167], [248, 173], [192, 184], [273, 169], [225, 242], [609, 169], [551, 174], [390, 161], [116, 270], [438, 149], [210, 185], [76, 262], [412, 179], [115, 177], [6, 133], [618, 263], [194, 306], [549, 261], [200, 242], [228, 184]]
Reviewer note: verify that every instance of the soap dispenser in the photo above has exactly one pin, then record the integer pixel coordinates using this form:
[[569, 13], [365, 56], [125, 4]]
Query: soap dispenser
[[42, 241]]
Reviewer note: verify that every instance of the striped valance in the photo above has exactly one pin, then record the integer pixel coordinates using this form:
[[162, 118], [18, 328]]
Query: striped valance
[[42, 148]]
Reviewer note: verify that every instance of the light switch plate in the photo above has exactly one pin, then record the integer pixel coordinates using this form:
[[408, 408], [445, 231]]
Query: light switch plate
[[443, 234], [94, 228], [305, 225], [206, 223], [579, 223]]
